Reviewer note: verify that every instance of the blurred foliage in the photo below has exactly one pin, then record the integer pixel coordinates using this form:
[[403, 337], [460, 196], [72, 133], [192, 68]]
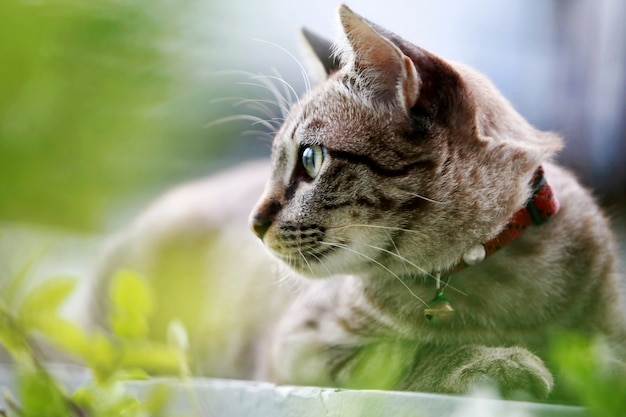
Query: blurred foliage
[[378, 365], [587, 369], [111, 358], [93, 106]]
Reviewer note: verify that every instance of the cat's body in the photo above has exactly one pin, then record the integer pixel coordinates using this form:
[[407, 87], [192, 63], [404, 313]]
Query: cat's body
[[521, 296], [383, 178]]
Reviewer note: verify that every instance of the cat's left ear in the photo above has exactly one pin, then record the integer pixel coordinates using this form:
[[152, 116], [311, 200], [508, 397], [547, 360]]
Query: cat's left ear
[[321, 49], [388, 74]]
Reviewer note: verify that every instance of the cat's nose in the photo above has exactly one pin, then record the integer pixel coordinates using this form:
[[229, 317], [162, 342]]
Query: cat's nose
[[263, 216], [260, 224]]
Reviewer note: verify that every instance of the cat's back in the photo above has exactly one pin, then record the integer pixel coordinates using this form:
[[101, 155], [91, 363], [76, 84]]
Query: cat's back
[[583, 237], [207, 269]]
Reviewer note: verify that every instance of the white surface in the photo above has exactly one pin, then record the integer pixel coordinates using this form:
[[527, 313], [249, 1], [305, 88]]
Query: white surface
[[229, 398]]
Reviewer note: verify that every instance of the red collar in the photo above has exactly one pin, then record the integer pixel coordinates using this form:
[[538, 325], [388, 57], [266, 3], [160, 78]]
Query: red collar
[[541, 205]]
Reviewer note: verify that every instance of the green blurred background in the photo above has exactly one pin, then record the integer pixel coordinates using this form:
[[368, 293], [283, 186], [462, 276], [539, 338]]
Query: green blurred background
[[97, 107], [104, 104]]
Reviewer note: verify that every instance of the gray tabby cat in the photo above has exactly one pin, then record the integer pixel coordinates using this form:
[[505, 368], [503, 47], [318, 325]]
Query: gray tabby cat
[[406, 173], [450, 248]]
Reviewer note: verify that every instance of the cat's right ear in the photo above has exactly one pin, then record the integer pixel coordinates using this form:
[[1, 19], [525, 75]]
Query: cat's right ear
[[321, 51], [387, 76]]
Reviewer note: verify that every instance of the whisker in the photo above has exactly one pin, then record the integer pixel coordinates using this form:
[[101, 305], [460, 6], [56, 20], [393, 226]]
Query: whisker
[[392, 242], [264, 137], [288, 278], [405, 260], [261, 104], [305, 261], [288, 90], [287, 98], [321, 262], [257, 103], [305, 77], [239, 117], [268, 85], [430, 200], [346, 247], [376, 226], [282, 103]]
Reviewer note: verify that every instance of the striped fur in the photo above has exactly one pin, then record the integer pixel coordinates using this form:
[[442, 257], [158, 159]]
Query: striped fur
[[424, 159]]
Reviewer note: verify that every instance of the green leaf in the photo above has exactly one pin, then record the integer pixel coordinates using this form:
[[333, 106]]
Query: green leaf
[[157, 401], [177, 335], [131, 294], [84, 397], [133, 302], [47, 297], [128, 325], [102, 356], [150, 356], [41, 396], [378, 365], [131, 374], [12, 287], [62, 333], [11, 336], [583, 367]]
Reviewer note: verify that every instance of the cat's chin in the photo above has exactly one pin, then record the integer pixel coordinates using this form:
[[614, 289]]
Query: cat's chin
[[305, 270], [317, 270]]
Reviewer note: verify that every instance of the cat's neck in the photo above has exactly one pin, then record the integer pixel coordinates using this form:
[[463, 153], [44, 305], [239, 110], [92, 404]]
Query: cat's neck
[[540, 207], [408, 293]]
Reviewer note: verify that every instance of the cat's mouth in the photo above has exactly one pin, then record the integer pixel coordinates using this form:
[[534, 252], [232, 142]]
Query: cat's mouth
[[306, 249]]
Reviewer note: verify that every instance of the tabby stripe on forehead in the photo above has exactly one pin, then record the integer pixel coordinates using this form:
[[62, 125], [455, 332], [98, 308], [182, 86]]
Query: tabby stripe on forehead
[[373, 165], [381, 202]]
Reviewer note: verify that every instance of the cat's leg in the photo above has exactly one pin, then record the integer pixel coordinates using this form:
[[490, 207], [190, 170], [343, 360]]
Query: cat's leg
[[297, 349], [324, 339], [312, 345], [292, 353], [514, 371]]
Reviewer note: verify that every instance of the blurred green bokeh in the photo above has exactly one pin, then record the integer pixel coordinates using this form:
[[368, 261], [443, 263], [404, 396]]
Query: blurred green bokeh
[[86, 107]]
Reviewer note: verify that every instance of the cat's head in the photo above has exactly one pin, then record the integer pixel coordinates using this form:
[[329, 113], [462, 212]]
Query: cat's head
[[399, 161]]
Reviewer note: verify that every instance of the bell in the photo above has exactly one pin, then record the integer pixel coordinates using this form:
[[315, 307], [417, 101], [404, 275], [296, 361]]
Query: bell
[[439, 311]]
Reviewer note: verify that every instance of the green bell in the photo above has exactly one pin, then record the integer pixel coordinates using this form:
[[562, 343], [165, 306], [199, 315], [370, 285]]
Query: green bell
[[439, 311]]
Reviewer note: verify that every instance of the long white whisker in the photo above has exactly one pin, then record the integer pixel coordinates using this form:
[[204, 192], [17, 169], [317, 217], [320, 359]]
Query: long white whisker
[[258, 103], [306, 261], [305, 77], [299, 248], [282, 103], [376, 226], [430, 200], [268, 84], [291, 93], [288, 91], [264, 137], [405, 260], [254, 119], [262, 104], [346, 247], [321, 262]]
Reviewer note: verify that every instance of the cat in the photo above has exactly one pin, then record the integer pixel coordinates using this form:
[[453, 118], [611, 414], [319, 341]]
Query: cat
[[401, 170], [432, 242]]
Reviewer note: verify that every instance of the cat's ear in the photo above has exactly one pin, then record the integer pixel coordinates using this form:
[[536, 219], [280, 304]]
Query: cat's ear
[[321, 50], [389, 75]]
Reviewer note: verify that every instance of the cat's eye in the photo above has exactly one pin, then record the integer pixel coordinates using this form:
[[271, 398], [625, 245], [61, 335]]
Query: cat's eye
[[312, 159]]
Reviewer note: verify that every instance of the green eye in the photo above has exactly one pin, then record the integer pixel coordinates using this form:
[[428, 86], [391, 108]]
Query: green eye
[[312, 159]]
